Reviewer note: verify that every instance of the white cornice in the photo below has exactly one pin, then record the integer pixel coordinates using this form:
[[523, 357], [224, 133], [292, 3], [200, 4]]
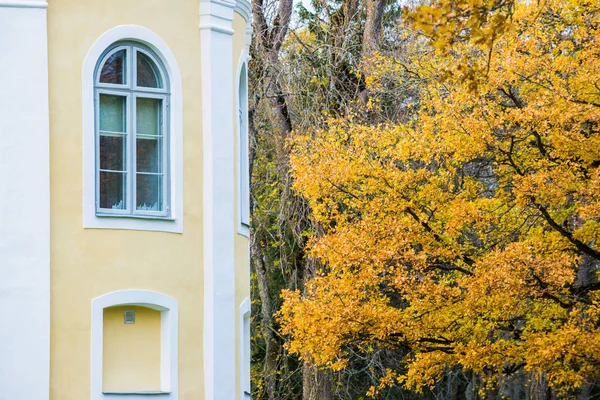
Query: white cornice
[[226, 3], [23, 4], [217, 15]]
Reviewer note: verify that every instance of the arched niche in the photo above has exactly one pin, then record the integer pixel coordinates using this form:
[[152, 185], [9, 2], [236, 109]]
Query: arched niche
[[158, 310]]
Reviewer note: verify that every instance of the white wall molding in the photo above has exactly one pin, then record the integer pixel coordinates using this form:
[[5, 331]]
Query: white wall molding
[[151, 39], [24, 202], [169, 315], [249, 32], [216, 45], [23, 4], [244, 8], [217, 16]]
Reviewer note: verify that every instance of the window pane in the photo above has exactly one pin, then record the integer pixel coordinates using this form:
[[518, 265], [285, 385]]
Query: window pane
[[148, 116], [113, 70], [149, 192], [112, 113], [112, 190], [244, 176], [148, 154], [113, 152], [147, 72]]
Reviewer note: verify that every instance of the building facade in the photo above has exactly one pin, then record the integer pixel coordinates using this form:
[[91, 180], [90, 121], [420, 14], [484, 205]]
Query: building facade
[[124, 211]]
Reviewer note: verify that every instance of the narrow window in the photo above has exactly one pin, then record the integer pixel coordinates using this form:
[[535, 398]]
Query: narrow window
[[245, 355], [245, 376], [132, 104], [244, 178]]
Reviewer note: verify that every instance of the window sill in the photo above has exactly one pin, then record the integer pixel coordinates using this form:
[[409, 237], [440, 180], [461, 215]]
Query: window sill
[[151, 217], [244, 230], [133, 222], [142, 392], [140, 395]]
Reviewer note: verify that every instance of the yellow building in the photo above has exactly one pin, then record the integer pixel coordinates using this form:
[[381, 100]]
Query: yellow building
[[124, 206]]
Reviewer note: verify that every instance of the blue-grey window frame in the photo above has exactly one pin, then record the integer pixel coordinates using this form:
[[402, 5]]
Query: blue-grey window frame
[[131, 91], [244, 148]]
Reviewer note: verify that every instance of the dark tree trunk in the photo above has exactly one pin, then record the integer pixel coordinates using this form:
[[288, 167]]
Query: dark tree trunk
[[272, 345], [372, 33], [371, 36], [316, 384]]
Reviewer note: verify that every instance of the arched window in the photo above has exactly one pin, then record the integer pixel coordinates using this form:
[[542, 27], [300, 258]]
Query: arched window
[[131, 99], [244, 174]]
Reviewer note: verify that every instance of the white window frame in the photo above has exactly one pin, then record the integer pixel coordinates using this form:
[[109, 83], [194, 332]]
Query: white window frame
[[244, 350], [173, 135], [169, 315], [243, 147]]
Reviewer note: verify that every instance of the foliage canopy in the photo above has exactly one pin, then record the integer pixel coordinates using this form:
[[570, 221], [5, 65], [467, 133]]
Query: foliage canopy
[[465, 236]]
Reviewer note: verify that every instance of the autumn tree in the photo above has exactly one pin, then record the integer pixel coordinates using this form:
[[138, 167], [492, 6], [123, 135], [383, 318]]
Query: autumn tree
[[464, 237]]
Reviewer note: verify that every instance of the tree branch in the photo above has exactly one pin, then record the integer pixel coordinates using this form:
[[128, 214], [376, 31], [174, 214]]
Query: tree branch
[[466, 259], [582, 247]]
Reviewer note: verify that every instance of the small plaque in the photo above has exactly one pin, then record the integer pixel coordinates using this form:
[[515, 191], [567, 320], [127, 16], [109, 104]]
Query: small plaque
[[129, 317]]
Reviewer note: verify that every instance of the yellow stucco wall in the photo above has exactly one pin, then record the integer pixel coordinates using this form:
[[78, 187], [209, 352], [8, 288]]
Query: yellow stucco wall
[[241, 242], [86, 263], [131, 352], [242, 284]]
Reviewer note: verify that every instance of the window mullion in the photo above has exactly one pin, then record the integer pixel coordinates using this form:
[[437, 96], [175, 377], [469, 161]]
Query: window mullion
[[132, 139], [97, 149], [131, 67], [165, 160], [133, 163]]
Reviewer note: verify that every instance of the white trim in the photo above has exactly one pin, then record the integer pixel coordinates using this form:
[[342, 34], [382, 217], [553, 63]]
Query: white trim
[[24, 203], [244, 349], [168, 308], [218, 199], [216, 16], [226, 3], [244, 8], [243, 228], [90, 219], [23, 4], [249, 32]]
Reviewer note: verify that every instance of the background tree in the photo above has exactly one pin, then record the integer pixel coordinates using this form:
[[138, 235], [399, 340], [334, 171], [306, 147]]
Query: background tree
[[299, 75]]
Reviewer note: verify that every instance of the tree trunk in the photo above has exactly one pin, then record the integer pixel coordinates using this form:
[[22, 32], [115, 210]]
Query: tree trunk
[[371, 37], [316, 383], [539, 389], [271, 343], [585, 392], [372, 33]]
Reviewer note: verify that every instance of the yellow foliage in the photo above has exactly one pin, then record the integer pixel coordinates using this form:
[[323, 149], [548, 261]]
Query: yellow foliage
[[460, 235]]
